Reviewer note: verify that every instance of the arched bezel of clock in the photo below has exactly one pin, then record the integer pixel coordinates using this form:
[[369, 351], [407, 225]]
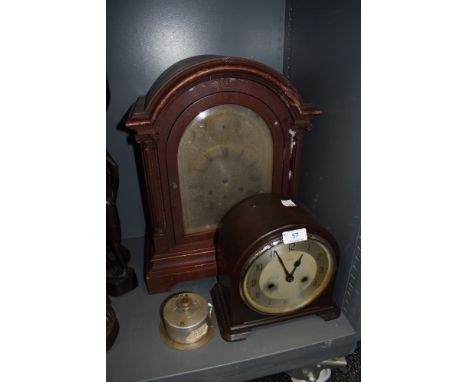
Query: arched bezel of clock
[[327, 278]]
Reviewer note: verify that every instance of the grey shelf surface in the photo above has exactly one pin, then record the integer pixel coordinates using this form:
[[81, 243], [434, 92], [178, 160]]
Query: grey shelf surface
[[139, 354]]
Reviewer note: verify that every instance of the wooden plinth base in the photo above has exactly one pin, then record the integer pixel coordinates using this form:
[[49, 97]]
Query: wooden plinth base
[[236, 330], [164, 271]]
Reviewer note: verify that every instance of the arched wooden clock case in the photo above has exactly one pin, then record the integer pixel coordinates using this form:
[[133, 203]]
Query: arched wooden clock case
[[211, 131], [252, 229]]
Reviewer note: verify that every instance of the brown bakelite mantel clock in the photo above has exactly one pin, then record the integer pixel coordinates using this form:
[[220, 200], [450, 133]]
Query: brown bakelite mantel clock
[[211, 131], [279, 264]]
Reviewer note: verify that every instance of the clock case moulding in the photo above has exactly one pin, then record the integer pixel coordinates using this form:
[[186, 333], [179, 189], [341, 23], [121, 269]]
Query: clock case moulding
[[158, 121], [236, 244]]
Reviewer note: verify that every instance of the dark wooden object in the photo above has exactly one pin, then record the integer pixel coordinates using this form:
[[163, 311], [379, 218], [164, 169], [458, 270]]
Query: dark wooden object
[[244, 230], [120, 278], [158, 121], [112, 325]]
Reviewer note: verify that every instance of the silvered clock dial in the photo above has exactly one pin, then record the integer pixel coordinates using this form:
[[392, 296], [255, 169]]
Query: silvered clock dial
[[281, 278], [224, 156]]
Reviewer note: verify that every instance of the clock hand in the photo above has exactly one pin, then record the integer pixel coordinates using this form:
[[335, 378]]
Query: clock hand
[[289, 277], [297, 263]]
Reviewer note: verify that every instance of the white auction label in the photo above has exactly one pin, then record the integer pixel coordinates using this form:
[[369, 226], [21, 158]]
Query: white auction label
[[288, 203], [294, 236]]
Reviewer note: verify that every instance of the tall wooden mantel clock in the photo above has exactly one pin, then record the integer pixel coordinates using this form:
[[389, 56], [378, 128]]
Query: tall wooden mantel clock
[[212, 131]]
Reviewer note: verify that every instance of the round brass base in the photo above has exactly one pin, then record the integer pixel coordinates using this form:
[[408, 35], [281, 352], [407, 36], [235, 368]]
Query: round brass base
[[195, 345]]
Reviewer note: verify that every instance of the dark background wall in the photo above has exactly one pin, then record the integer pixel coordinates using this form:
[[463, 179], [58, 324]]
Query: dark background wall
[[145, 37], [322, 59]]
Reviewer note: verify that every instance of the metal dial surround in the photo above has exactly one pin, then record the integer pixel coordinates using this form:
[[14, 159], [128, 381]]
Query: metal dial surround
[[281, 278]]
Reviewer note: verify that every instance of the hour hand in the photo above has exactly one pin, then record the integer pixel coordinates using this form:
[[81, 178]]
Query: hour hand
[[297, 263], [289, 277]]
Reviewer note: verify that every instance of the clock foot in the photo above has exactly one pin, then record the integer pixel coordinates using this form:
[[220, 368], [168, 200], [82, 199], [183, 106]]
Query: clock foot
[[329, 313], [228, 331]]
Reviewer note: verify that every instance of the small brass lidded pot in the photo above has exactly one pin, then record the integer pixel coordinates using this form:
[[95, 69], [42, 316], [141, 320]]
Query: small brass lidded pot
[[186, 321]]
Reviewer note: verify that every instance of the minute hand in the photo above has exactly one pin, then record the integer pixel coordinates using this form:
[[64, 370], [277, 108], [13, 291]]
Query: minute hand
[[289, 277]]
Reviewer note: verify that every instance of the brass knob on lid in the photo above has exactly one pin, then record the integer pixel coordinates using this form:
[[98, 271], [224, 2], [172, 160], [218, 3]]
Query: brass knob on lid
[[184, 303]]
